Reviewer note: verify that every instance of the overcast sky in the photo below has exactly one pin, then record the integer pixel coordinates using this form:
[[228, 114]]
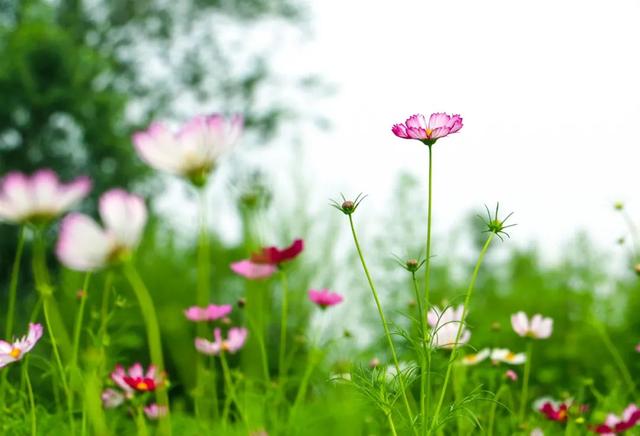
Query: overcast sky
[[549, 92]]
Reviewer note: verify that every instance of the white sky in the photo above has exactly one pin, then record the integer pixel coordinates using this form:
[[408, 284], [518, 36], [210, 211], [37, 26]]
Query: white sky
[[549, 92]]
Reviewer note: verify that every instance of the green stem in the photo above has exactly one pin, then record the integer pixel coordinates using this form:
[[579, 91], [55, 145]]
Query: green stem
[[617, 358], [494, 406], [524, 394], [53, 320], [230, 387], [32, 403], [425, 382], [302, 390], [635, 235], [384, 325], [454, 350], [153, 337], [283, 327], [13, 284], [141, 422], [392, 426], [423, 354], [77, 331]]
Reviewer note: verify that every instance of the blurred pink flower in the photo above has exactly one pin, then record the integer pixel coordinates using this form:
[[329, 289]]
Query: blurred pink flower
[[12, 352], [511, 375], [324, 298], [136, 380], [438, 126], [209, 313], [253, 271], [445, 326], [155, 411], [552, 409], [83, 245], [112, 398], [235, 340], [39, 198], [538, 328], [264, 263], [638, 348], [618, 424], [194, 151]]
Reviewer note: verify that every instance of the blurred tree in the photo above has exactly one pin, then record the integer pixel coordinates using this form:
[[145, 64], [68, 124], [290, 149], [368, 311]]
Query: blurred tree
[[78, 77]]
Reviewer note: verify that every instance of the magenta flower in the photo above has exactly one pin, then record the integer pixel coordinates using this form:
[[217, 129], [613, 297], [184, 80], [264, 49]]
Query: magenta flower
[[538, 328], [235, 341], [264, 263], [83, 245], [439, 126], [136, 380], [12, 352], [209, 313], [324, 298], [154, 411], [445, 326], [619, 424], [39, 198], [193, 152]]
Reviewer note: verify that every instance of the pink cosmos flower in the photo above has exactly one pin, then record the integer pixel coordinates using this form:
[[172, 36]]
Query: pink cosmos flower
[[253, 271], [193, 152], [264, 263], [39, 198], [155, 411], [324, 298], [538, 328], [438, 126], [83, 245], [638, 348], [112, 398], [506, 356], [445, 326], [235, 341], [209, 313], [12, 352], [553, 410], [511, 375], [619, 424], [136, 380]]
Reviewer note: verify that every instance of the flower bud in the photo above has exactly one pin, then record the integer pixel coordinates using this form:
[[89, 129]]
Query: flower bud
[[81, 294], [348, 206], [412, 265], [618, 205], [496, 326], [226, 321], [374, 363], [241, 302], [637, 268]]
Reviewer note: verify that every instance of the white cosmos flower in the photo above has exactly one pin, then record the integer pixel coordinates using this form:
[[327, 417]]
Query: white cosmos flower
[[193, 152], [445, 324], [38, 198], [475, 358], [506, 356], [538, 327], [85, 246], [13, 351]]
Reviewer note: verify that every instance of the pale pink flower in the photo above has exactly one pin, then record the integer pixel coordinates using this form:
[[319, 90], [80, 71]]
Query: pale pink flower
[[475, 358], [194, 151], [209, 313], [135, 379], [438, 126], [14, 351], [536, 432], [155, 411], [445, 324], [253, 271], [506, 356], [511, 375], [83, 245], [38, 198], [112, 398], [324, 298], [538, 327], [236, 338], [638, 348]]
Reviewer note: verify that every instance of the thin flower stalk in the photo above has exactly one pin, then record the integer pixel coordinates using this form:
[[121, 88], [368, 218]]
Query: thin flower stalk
[[524, 393], [32, 403], [454, 350], [424, 356], [77, 330], [153, 337], [385, 326], [283, 326], [615, 354], [13, 283]]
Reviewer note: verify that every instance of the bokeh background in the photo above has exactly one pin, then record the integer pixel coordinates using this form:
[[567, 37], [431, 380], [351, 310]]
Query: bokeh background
[[548, 90]]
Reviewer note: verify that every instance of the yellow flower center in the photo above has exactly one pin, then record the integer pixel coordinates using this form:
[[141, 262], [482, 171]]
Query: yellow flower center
[[15, 353], [429, 131], [510, 356], [142, 386], [225, 346]]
